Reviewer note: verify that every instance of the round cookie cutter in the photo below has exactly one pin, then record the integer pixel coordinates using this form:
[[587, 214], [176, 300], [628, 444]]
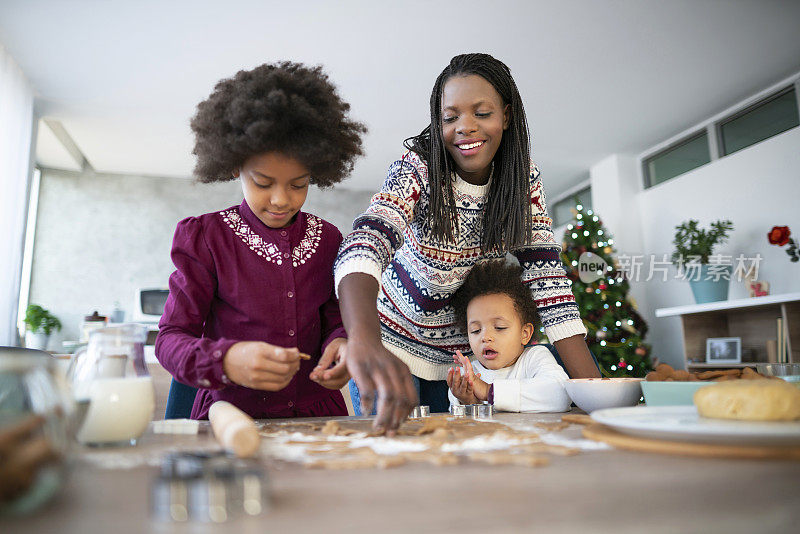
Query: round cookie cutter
[[458, 410], [420, 411], [484, 411], [476, 411]]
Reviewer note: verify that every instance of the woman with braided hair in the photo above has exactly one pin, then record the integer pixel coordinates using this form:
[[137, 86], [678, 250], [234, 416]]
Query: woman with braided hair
[[465, 190]]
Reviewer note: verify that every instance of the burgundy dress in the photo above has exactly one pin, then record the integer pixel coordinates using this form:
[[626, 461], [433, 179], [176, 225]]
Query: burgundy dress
[[239, 280]]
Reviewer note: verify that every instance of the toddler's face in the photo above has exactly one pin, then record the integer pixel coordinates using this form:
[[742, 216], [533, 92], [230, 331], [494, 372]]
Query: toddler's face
[[275, 187], [473, 120], [497, 335]]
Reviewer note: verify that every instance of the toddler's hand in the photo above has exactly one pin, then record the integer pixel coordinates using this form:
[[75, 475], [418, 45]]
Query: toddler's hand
[[259, 365], [332, 377], [460, 386], [479, 387]]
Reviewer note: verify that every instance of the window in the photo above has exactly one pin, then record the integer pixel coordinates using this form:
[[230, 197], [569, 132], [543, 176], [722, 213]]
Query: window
[[723, 135], [678, 159], [769, 117], [562, 210]]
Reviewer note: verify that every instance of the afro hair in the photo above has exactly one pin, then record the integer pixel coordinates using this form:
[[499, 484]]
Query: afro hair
[[284, 107], [495, 277]]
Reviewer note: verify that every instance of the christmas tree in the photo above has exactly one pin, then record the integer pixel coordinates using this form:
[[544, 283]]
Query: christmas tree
[[615, 330]]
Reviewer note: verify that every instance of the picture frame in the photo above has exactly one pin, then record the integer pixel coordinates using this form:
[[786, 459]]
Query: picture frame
[[724, 350]]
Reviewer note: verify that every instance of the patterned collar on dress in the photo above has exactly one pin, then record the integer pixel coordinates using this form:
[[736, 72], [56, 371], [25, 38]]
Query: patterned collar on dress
[[260, 242]]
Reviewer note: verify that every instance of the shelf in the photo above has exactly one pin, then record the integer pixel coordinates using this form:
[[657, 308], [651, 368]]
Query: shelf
[[728, 305], [753, 320]]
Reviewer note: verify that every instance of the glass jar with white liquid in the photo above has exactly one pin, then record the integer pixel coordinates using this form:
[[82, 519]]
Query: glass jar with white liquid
[[110, 379]]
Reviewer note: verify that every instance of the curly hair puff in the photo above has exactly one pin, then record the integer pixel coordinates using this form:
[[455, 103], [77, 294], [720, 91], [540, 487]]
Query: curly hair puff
[[495, 277], [284, 107]]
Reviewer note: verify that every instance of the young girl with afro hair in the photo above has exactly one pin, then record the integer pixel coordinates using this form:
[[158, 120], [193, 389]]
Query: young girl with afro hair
[[252, 317]]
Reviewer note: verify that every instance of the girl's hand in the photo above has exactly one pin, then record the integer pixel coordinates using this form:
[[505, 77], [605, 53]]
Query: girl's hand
[[479, 387], [460, 386], [331, 371], [259, 365]]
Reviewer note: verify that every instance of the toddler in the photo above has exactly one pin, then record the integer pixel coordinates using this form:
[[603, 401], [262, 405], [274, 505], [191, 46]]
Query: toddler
[[499, 315]]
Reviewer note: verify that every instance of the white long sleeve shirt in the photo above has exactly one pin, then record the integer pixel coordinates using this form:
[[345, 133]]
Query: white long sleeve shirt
[[535, 383]]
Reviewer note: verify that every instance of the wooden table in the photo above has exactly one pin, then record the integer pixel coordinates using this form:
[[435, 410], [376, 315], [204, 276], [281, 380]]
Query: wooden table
[[596, 491]]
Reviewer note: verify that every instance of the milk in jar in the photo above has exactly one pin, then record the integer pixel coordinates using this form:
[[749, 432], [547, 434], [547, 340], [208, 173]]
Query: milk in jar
[[119, 410], [111, 377]]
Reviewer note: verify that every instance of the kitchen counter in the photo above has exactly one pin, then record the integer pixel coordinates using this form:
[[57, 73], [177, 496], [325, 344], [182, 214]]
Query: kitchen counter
[[596, 491]]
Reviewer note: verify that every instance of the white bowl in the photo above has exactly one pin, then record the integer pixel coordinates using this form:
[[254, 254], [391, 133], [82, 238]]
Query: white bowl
[[592, 394]]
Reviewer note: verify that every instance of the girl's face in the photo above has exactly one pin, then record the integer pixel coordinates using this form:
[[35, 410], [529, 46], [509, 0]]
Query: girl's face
[[496, 334], [473, 120], [275, 187]]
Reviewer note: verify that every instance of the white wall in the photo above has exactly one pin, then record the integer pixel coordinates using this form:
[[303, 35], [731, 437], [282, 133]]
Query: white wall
[[756, 188], [99, 237]]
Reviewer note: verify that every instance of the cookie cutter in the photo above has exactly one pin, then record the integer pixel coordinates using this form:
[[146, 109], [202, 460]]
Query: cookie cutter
[[484, 411], [471, 410], [208, 487], [420, 411], [458, 410], [476, 411]]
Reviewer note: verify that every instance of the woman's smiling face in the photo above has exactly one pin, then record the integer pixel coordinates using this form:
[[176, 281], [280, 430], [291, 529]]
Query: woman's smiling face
[[473, 120]]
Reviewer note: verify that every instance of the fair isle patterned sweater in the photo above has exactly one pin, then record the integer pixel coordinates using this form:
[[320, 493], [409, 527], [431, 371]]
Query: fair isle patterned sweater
[[392, 241]]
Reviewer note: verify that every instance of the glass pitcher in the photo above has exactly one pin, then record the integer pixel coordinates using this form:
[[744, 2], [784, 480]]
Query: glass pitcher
[[110, 380]]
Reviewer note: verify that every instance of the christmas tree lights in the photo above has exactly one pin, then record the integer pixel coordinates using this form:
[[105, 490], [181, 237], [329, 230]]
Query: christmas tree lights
[[615, 330]]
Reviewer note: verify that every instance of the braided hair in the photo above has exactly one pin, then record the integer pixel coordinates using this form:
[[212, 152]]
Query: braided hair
[[507, 216]]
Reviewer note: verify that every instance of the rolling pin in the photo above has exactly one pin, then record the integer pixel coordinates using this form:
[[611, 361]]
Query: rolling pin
[[234, 429]]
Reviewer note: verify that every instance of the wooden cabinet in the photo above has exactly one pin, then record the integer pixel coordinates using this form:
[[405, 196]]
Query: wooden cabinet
[[753, 319]]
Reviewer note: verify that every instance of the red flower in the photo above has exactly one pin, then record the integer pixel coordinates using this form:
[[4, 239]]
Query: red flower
[[779, 235]]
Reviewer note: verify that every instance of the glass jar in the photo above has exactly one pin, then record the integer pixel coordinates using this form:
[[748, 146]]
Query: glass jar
[[91, 323], [110, 378], [34, 412]]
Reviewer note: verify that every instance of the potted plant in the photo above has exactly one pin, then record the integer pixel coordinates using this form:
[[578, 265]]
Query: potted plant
[[693, 247], [41, 324]]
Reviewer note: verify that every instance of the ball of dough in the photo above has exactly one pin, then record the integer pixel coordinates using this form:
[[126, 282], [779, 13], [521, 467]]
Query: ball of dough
[[750, 400]]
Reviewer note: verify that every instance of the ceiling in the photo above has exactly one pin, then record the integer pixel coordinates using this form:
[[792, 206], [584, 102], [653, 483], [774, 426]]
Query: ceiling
[[597, 77]]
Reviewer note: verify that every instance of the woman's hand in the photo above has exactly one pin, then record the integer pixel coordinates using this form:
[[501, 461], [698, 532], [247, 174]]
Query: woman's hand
[[375, 369], [479, 387], [259, 365], [331, 371], [372, 366]]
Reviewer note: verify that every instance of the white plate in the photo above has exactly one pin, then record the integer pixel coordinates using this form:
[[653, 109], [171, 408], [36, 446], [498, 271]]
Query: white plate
[[682, 423]]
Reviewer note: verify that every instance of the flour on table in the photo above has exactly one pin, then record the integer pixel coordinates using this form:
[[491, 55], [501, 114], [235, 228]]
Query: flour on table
[[437, 440]]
